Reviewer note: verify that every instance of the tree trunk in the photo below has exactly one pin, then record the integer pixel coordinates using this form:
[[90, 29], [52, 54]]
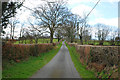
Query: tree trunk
[[11, 33], [36, 41], [36, 50], [12, 37], [71, 40], [58, 38], [51, 37], [81, 41], [86, 40]]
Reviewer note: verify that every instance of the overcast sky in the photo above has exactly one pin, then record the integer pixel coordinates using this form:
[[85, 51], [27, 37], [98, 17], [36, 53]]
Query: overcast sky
[[105, 12]]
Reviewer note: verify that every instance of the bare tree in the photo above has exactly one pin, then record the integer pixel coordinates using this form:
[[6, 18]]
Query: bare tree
[[102, 33], [50, 15], [25, 34], [117, 39], [87, 34], [81, 28], [113, 36], [36, 31], [22, 35], [35, 35], [21, 32], [58, 33], [69, 33], [13, 21], [70, 27], [29, 35]]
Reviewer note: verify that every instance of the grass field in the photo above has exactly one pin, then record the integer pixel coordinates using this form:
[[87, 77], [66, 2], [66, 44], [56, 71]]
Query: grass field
[[26, 69], [107, 43], [84, 73], [39, 41]]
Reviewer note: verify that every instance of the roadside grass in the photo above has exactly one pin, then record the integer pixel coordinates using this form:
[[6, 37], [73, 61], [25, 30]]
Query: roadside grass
[[84, 73], [26, 69], [39, 41]]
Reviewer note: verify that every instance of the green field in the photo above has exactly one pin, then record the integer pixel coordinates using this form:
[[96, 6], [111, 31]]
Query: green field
[[107, 43], [39, 41], [84, 73], [27, 68]]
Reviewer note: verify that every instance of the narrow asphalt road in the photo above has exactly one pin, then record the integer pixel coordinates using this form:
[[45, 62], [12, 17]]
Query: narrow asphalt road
[[61, 66]]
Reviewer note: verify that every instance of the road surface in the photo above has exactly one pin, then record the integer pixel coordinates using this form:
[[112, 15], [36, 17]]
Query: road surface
[[61, 66]]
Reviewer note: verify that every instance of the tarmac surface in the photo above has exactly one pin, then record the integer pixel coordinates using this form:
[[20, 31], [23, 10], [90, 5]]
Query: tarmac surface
[[61, 66]]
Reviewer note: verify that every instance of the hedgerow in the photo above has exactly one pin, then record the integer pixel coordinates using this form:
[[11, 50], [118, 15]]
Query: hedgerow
[[18, 52]]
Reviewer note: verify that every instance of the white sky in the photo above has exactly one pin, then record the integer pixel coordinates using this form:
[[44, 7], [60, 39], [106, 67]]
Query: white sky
[[106, 12]]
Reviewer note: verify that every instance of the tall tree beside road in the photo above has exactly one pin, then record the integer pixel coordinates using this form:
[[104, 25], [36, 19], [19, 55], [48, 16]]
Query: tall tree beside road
[[82, 27], [70, 26], [86, 35], [58, 34], [50, 15]]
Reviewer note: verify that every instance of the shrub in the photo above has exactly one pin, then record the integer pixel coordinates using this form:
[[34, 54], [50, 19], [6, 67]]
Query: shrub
[[98, 57], [19, 52]]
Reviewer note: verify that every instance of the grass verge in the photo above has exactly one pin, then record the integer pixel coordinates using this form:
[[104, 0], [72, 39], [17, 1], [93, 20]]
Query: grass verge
[[84, 73], [25, 69]]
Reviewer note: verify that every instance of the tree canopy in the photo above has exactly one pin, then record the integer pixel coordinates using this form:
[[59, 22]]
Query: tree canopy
[[9, 9]]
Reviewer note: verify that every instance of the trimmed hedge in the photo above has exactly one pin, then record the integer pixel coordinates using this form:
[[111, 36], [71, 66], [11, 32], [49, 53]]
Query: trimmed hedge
[[101, 58], [18, 52]]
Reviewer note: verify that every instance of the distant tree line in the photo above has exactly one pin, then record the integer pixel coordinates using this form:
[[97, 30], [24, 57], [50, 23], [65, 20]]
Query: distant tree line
[[54, 18]]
